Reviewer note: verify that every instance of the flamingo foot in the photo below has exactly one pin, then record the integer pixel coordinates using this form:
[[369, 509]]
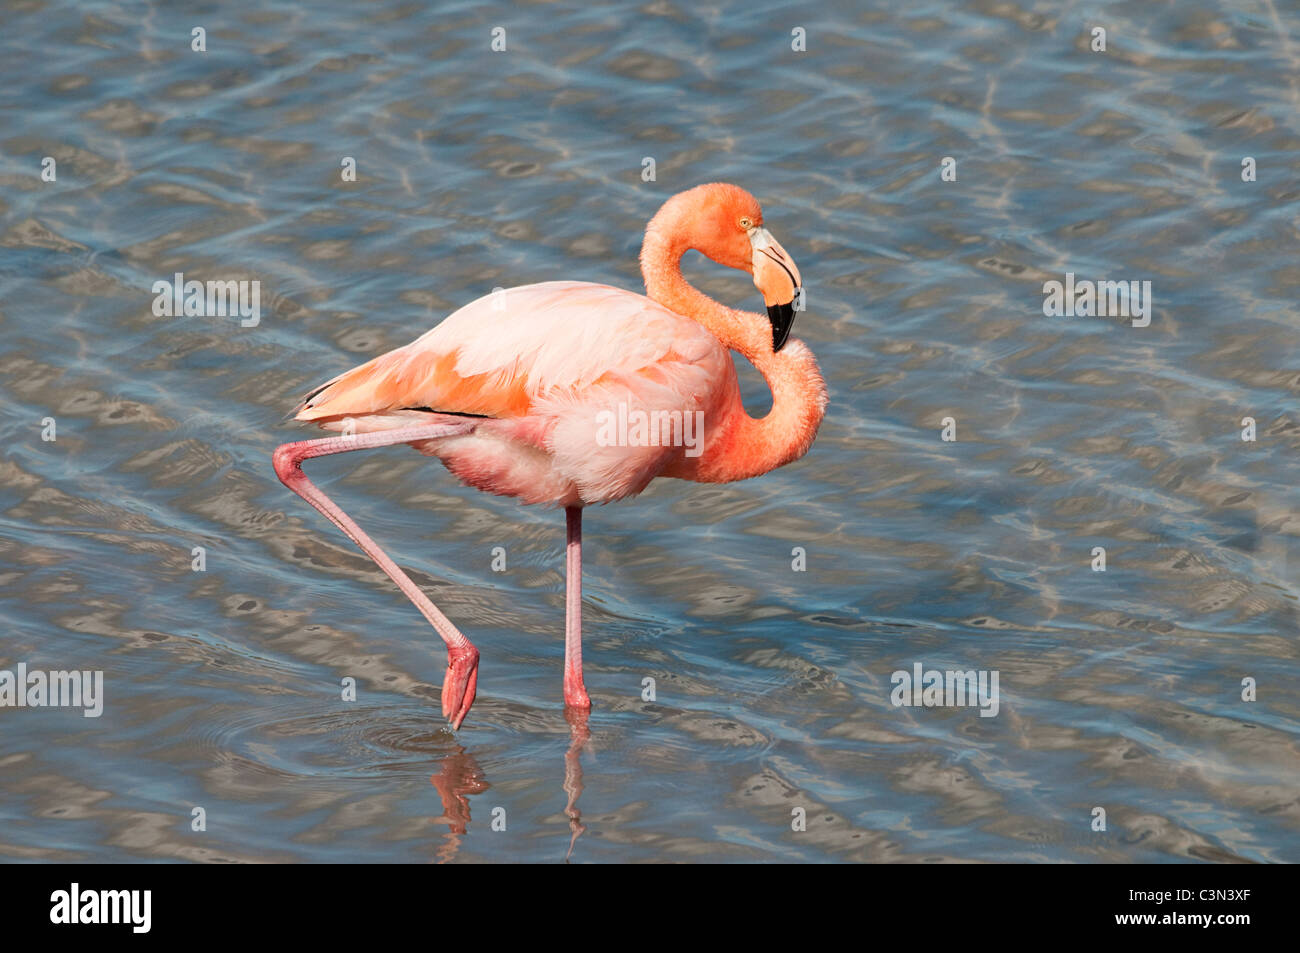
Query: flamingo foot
[[575, 697], [460, 684]]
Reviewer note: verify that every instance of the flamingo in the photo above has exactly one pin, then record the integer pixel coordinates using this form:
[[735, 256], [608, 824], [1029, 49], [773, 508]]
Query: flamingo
[[516, 393]]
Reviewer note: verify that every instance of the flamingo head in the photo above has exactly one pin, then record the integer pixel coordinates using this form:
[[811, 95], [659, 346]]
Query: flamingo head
[[725, 223]]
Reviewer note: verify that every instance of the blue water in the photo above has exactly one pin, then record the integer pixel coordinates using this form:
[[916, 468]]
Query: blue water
[[476, 169]]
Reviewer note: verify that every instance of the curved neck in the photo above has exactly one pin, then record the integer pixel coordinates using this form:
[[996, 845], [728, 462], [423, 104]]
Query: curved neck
[[661, 267], [741, 446]]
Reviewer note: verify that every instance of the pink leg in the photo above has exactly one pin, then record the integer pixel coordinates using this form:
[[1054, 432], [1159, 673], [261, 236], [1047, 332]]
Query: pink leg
[[575, 692], [459, 687]]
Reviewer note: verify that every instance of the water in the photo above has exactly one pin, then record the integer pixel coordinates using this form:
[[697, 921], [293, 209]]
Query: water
[[1119, 690]]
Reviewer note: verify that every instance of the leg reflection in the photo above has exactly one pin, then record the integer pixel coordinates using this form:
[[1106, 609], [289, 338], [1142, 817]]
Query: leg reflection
[[579, 734], [459, 776]]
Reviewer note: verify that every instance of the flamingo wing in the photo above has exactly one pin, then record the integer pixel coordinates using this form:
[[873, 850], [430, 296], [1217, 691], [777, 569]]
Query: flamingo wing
[[504, 354]]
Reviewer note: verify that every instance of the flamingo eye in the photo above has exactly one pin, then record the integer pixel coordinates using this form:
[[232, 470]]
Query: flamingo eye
[[746, 224]]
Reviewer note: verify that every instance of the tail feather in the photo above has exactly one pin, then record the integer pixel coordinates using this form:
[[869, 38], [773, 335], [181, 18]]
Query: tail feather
[[365, 389], [305, 402]]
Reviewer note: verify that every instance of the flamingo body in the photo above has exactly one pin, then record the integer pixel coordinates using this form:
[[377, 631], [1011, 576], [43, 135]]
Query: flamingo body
[[540, 364]]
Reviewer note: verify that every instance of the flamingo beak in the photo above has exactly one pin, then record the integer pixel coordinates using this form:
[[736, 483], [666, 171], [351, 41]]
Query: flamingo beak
[[777, 277], [782, 318]]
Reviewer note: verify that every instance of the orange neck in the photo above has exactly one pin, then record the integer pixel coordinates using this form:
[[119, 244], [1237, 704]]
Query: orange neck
[[742, 446]]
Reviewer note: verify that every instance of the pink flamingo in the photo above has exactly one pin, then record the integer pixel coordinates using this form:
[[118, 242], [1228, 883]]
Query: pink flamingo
[[517, 393]]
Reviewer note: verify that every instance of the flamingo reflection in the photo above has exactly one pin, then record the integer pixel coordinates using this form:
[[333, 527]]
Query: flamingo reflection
[[459, 777]]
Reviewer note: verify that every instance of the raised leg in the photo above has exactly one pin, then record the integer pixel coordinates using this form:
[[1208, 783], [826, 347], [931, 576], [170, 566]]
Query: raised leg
[[575, 692], [461, 682]]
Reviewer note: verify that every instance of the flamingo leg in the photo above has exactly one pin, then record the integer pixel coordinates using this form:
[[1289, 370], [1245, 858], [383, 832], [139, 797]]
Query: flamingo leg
[[461, 682], [575, 692]]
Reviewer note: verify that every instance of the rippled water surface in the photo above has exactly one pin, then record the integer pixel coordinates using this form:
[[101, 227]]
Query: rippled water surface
[[476, 169]]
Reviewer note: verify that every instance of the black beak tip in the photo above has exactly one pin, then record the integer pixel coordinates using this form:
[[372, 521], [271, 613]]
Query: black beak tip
[[782, 318]]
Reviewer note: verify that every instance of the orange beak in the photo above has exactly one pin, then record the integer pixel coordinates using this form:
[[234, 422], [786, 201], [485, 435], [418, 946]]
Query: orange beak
[[777, 278]]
